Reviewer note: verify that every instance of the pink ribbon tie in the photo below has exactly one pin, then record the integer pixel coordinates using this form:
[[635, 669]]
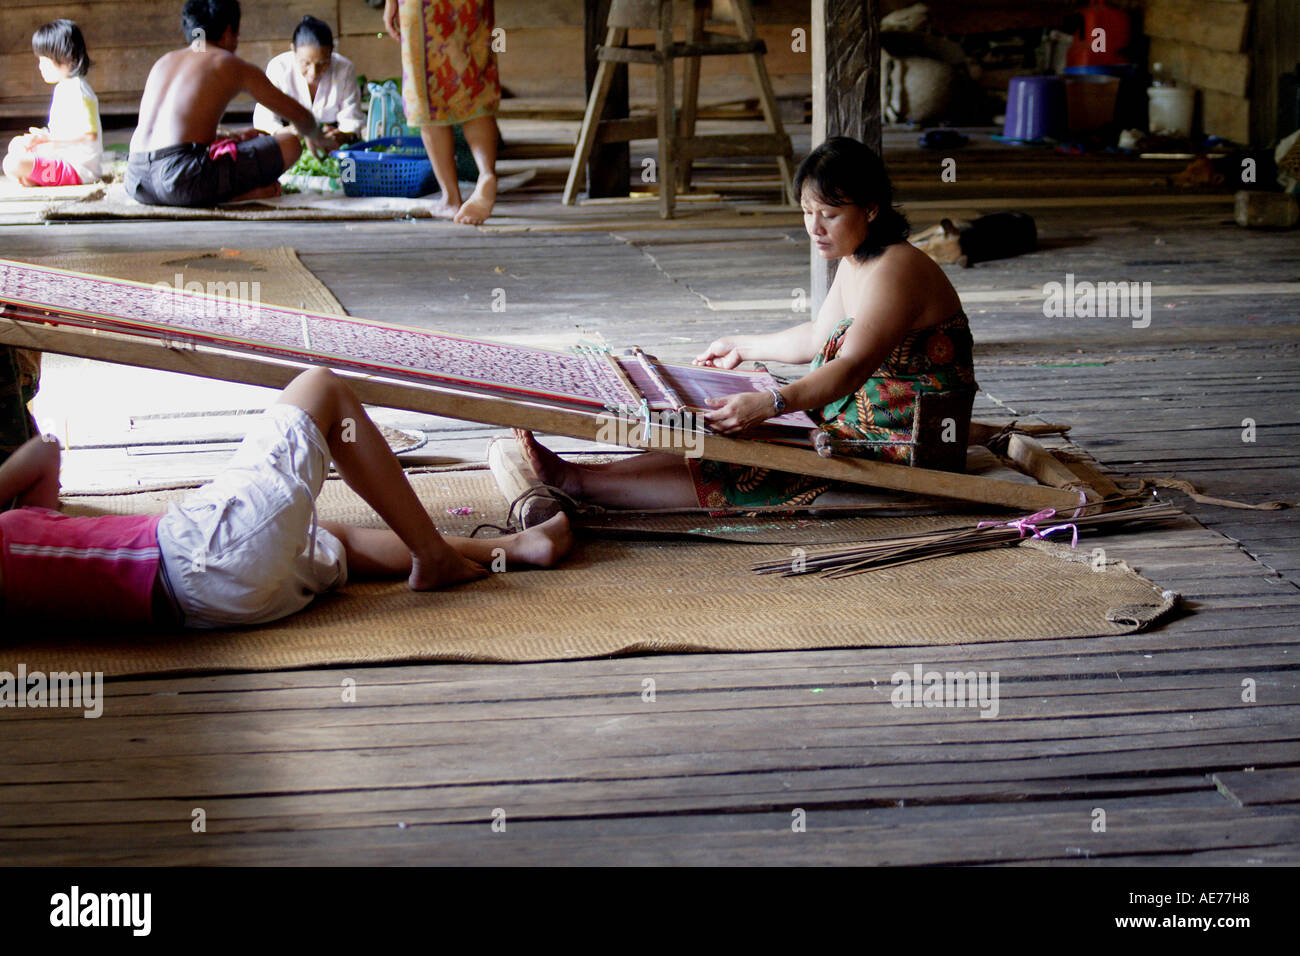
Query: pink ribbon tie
[[223, 147], [1020, 524], [1030, 525], [1074, 529]]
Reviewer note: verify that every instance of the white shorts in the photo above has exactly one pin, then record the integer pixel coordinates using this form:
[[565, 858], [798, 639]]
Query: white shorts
[[246, 547]]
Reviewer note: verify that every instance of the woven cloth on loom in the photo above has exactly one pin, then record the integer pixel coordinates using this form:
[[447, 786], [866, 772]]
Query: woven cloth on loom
[[132, 308], [619, 597], [585, 380]]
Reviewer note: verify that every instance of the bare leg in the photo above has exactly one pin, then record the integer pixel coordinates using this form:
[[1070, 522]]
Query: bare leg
[[441, 147], [30, 476], [481, 133], [290, 150], [261, 192], [368, 466], [378, 552], [648, 480], [290, 147], [19, 166]]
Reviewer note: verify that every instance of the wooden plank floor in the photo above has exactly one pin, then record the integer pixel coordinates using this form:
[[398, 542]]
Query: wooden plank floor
[[1150, 728]]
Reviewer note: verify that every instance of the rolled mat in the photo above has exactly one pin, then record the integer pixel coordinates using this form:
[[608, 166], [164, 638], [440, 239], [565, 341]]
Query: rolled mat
[[620, 597]]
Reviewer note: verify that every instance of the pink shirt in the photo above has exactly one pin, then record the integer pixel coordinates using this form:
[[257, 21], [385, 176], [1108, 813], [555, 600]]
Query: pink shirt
[[61, 568]]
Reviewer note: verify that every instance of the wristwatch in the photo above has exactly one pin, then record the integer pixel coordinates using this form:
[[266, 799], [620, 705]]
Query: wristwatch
[[778, 401]]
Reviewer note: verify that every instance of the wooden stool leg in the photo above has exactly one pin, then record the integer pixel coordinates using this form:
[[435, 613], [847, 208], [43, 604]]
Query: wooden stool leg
[[691, 86], [667, 171], [591, 119], [766, 97]]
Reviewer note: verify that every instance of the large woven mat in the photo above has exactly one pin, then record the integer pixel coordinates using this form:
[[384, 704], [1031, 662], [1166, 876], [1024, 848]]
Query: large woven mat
[[618, 597], [282, 278], [112, 202]]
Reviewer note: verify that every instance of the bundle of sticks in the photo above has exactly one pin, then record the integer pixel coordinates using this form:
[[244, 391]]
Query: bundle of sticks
[[910, 548]]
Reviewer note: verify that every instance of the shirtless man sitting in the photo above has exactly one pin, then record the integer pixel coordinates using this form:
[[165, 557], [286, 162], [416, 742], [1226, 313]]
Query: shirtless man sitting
[[176, 157]]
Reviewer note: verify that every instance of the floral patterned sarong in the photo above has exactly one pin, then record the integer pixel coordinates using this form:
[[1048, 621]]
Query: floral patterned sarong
[[879, 414], [449, 70]]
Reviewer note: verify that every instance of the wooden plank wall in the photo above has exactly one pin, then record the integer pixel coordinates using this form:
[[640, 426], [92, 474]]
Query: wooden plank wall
[[1208, 44], [1204, 44], [544, 44], [125, 37], [542, 58]]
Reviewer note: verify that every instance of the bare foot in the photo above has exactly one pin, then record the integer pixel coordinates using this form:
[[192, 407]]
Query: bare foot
[[543, 545], [479, 206], [445, 208], [446, 570], [549, 467], [262, 192]]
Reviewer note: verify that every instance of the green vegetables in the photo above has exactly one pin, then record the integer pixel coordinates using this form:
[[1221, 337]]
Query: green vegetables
[[309, 165], [397, 150], [311, 173]]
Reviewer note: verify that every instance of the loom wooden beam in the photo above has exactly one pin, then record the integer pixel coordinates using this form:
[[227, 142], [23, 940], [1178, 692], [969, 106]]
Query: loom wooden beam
[[1104, 484], [981, 433], [391, 393], [1035, 460]]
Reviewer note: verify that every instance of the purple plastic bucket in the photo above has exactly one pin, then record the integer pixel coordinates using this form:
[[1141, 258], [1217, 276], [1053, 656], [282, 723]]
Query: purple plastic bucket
[[1035, 108]]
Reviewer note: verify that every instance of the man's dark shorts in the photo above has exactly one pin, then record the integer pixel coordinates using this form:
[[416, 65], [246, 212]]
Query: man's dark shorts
[[184, 175]]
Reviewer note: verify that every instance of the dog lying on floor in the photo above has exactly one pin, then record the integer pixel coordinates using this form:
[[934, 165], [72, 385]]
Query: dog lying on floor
[[996, 236]]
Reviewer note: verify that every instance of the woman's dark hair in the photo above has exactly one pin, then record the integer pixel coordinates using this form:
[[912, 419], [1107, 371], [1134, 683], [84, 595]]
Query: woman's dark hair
[[211, 17], [313, 32], [63, 43], [844, 172]]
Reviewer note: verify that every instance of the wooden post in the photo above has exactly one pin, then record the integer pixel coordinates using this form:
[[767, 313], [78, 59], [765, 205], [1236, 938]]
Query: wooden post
[[845, 91], [608, 168]]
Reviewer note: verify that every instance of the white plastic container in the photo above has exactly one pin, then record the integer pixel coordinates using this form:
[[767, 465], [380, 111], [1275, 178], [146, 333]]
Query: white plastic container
[[1170, 109]]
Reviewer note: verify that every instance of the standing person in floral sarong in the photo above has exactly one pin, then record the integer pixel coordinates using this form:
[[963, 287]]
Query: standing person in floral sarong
[[891, 328], [449, 78]]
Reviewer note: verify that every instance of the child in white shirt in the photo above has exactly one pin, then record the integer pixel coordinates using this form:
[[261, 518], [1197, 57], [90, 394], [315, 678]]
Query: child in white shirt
[[69, 150]]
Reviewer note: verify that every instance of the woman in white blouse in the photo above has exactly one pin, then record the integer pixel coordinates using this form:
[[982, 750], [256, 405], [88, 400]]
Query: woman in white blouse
[[318, 78]]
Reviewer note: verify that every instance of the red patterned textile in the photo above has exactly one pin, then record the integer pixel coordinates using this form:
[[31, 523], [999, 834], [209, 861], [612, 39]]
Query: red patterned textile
[[449, 69]]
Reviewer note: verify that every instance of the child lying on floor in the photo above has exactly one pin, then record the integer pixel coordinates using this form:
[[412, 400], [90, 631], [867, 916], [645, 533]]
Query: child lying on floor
[[246, 548], [69, 150]]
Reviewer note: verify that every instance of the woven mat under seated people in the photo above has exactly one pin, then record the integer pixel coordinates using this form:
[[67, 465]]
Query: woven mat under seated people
[[114, 203], [619, 597]]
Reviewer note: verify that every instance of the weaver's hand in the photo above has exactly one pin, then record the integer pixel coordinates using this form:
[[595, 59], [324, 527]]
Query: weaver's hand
[[722, 353], [734, 414], [391, 23]]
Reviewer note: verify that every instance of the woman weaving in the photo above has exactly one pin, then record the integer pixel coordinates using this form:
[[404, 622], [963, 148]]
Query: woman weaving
[[891, 328]]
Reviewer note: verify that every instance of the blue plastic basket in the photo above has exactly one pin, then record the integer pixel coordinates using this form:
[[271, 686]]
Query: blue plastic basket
[[386, 174]]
